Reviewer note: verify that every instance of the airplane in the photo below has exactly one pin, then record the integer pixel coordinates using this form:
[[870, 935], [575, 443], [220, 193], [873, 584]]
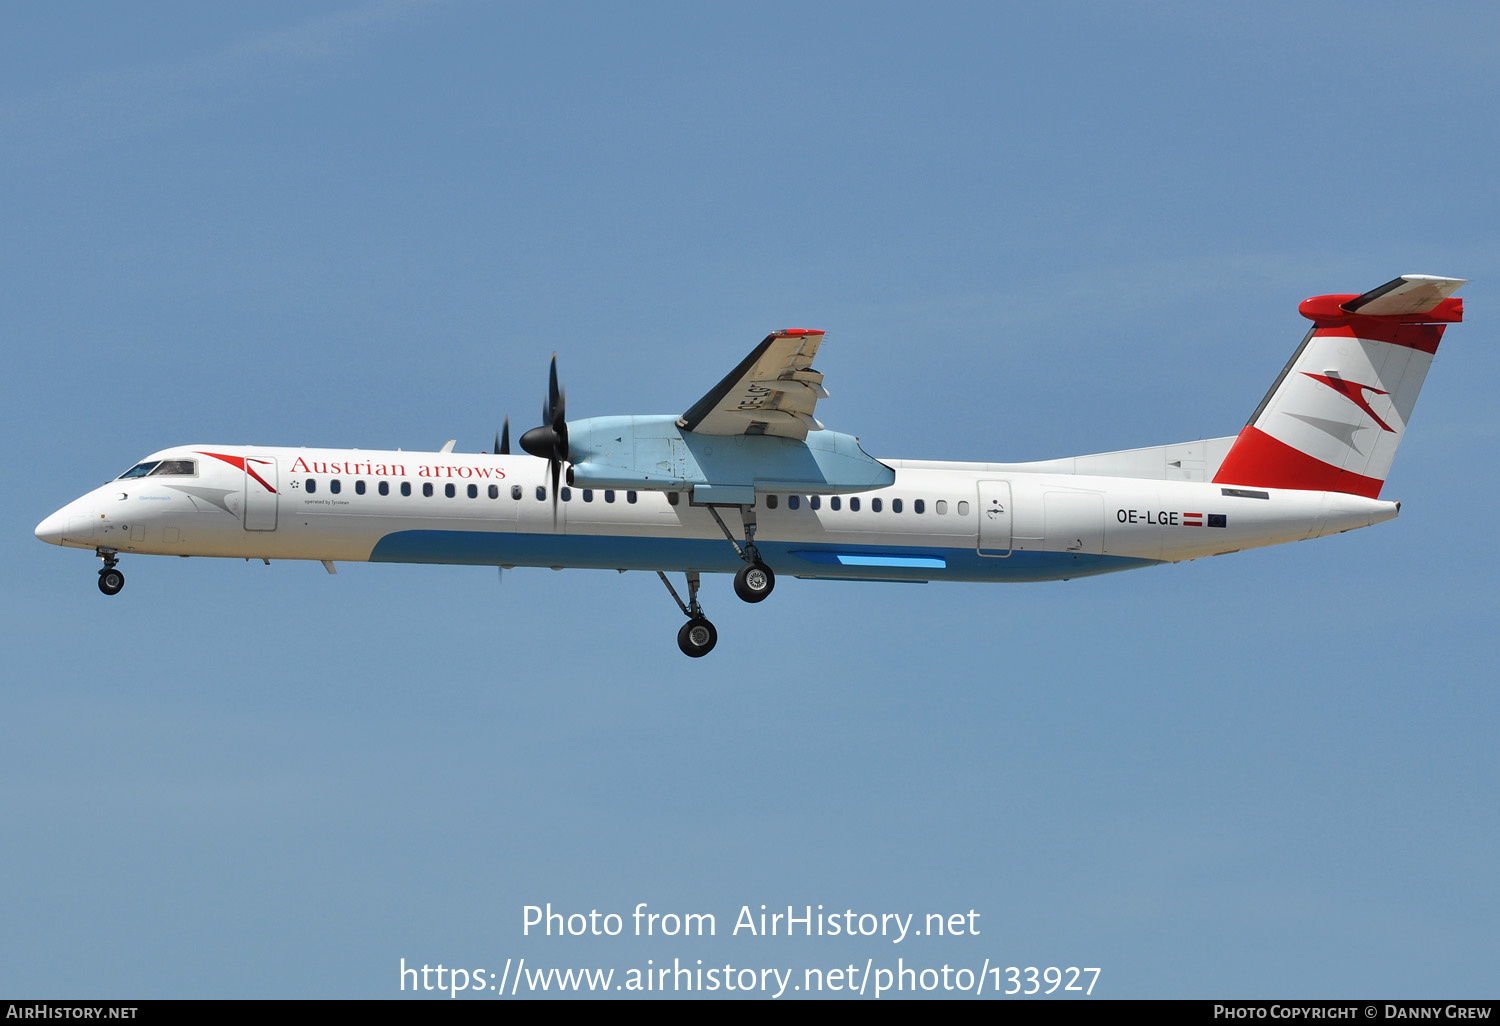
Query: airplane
[[747, 481]]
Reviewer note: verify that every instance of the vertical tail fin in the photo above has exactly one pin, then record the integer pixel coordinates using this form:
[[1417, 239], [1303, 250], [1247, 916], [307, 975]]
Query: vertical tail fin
[[1334, 417]]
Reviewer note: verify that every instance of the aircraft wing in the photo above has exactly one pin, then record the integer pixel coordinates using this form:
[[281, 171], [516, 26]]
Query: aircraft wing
[[772, 392]]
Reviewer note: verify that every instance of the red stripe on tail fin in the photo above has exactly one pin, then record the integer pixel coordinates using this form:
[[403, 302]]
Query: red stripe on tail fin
[[1258, 459]]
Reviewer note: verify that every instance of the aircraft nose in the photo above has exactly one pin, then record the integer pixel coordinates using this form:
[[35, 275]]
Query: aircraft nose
[[51, 529]]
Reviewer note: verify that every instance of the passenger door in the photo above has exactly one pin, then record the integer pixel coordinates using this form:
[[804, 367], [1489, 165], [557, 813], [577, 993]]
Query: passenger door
[[261, 487], [994, 518]]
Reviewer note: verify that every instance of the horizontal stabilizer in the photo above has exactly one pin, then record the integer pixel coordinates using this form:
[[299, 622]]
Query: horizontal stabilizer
[[1410, 299]]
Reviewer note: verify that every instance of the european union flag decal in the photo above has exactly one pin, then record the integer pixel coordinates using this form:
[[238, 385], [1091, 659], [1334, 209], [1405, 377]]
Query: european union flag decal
[[1218, 520]]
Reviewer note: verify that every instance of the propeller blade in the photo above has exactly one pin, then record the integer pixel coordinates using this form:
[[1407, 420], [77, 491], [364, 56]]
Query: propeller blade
[[556, 467], [502, 444], [554, 394], [549, 440]]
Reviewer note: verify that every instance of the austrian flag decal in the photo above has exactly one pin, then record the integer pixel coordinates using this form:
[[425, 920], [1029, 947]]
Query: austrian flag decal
[[1197, 520]]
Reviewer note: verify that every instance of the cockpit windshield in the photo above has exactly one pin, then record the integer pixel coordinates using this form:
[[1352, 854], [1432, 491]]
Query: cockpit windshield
[[139, 470], [161, 468]]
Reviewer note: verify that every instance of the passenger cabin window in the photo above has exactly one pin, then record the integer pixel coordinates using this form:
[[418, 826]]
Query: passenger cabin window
[[567, 495], [588, 495], [427, 489], [918, 506], [139, 470], [359, 488], [942, 507], [793, 501], [630, 497], [609, 495], [835, 502], [494, 491], [384, 488], [770, 502], [854, 504], [673, 498], [450, 490], [963, 509], [335, 486], [311, 485], [473, 491], [541, 494], [405, 487], [816, 502], [895, 505], [875, 505], [515, 491]]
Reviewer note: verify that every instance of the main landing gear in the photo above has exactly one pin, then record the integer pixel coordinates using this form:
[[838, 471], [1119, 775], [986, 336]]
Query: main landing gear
[[697, 637], [753, 582], [110, 579]]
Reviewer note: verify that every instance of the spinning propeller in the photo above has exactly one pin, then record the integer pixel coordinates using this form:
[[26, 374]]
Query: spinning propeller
[[550, 440]]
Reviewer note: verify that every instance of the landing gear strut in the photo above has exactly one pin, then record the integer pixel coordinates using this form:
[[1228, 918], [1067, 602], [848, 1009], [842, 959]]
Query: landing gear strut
[[697, 637], [754, 581], [110, 579]]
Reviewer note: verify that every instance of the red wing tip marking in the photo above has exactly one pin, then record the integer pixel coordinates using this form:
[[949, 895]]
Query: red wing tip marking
[[803, 331]]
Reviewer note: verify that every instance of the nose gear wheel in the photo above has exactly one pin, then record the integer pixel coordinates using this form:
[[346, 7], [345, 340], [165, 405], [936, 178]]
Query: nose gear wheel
[[110, 579]]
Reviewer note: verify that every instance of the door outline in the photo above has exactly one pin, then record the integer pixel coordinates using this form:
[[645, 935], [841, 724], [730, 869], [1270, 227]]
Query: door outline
[[261, 493], [995, 519]]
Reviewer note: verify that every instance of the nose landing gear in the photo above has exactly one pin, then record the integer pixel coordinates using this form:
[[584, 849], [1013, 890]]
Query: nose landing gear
[[110, 579]]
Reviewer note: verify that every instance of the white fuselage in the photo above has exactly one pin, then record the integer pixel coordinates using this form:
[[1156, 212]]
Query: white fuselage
[[936, 522]]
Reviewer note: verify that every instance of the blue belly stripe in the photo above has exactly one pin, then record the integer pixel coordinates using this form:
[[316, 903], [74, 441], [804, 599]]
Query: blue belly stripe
[[869, 558], [801, 559]]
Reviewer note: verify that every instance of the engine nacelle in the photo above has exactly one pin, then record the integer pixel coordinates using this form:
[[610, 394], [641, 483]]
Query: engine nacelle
[[653, 453]]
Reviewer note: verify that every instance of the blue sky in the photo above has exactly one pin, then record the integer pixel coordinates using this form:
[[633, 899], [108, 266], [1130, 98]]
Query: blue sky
[[1030, 231]]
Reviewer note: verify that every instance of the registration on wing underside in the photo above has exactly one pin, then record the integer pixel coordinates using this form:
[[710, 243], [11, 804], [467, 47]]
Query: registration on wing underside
[[773, 391]]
